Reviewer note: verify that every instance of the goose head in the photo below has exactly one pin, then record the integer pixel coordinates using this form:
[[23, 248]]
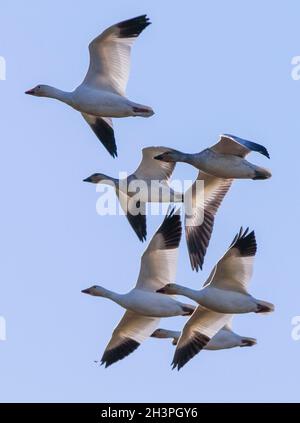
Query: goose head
[[97, 178], [40, 91], [170, 156], [161, 333], [95, 290], [166, 334], [169, 289]]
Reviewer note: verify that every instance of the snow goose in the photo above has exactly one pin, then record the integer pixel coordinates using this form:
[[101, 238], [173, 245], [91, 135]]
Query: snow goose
[[224, 339], [218, 166], [224, 293], [149, 183], [143, 304], [101, 96]]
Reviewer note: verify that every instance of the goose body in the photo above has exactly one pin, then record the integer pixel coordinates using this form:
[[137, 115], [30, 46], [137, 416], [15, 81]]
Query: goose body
[[224, 339], [226, 159], [224, 294], [220, 300], [143, 302], [105, 104], [218, 166], [144, 306], [228, 166], [149, 183], [101, 96]]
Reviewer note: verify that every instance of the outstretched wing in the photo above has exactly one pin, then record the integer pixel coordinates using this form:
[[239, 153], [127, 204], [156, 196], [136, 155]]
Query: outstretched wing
[[230, 144], [131, 331], [197, 332], [200, 214], [234, 270], [110, 55], [159, 261]]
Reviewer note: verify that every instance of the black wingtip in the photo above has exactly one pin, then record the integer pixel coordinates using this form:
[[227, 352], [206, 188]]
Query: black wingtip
[[106, 136], [197, 238], [118, 353], [250, 145], [185, 353], [171, 228], [245, 242], [133, 27], [139, 225], [142, 237]]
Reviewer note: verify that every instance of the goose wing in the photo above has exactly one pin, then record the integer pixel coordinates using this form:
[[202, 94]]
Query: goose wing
[[131, 331], [151, 169], [202, 326], [231, 144], [135, 213], [103, 129], [110, 55], [159, 261], [234, 270], [201, 207]]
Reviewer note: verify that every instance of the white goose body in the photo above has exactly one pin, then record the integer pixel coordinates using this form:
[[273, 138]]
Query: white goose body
[[221, 300], [226, 339], [154, 191], [102, 94], [224, 301], [226, 159], [102, 103], [146, 303], [226, 166]]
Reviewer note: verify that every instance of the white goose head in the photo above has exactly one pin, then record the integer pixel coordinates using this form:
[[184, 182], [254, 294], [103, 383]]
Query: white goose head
[[41, 91], [96, 291], [166, 334]]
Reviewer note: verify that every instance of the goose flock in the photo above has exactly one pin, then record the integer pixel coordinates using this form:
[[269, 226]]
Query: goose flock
[[101, 97]]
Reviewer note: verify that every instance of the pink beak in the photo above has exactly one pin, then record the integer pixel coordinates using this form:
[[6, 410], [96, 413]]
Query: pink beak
[[30, 92]]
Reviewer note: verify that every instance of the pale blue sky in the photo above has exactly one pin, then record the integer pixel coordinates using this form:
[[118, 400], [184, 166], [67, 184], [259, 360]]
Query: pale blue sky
[[205, 68]]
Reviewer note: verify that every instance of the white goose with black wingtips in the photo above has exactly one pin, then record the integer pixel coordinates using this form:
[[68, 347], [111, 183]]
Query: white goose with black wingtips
[[224, 294], [144, 305], [101, 96], [149, 183], [218, 166]]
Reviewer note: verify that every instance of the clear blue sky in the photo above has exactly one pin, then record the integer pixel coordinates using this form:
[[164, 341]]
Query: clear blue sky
[[205, 68]]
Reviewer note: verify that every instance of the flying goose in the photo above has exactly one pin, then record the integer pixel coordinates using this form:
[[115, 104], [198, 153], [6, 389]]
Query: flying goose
[[144, 306], [101, 96], [218, 166], [224, 293], [223, 339], [149, 183]]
